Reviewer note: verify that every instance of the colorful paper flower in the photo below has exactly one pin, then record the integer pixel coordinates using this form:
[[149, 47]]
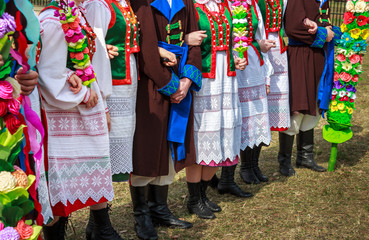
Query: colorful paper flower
[[346, 77], [361, 20], [341, 57], [359, 46], [355, 33], [7, 181], [348, 18], [9, 233], [11, 123], [346, 66], [25, 231], [340, 106]]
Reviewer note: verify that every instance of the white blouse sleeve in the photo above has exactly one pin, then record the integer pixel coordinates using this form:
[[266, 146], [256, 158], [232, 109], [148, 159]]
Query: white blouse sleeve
[[259, 35], [98, 16], [53, 73]]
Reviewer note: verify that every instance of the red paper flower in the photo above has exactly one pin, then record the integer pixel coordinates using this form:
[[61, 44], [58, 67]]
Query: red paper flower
[[3, 107], [346, 77], [354, 59], [355, 78], [361, 20], [341, 57], [336, 76], [12, 123], [351, 100], [13, 106], [348, 18], [25, 231]]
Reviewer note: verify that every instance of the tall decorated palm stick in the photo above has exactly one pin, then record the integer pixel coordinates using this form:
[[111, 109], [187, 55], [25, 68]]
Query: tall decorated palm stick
[[348, 68]]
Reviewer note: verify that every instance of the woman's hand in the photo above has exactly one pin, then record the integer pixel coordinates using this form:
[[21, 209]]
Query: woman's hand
[[1, 60], [267, 88], [27, 81], [311, 26], [166, 54], [75, 83], [181, 93], [112, 51], [92, 102], [195, 38], [240, 63], [266, 45]]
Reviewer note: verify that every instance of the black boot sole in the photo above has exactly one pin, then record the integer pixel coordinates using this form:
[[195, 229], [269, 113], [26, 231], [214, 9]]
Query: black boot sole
[[311, 168]]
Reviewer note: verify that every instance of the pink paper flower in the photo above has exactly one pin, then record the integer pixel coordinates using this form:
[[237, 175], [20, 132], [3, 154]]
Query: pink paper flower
[[336, 76], [6, 90], [354, 59], [13, 106], [346, 77]]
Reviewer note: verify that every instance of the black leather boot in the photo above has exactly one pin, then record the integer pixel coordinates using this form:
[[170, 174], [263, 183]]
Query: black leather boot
[[212, 206], [246, 169], [56, 231], [143, 224], [214, 181], [255, 164], [103, 230], [227, 184], [305, 151], [90, 227], [285, 154], [159, 211], [195, 204]]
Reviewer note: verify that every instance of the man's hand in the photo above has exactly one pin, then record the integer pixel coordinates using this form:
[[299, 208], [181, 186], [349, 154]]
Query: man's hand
[[330, 34], [181, 93], [166, 54], [92, 102], [75, 84], [112, 51], [27, 81], [195, 38], [311, 26], [266, 45], [240, 63]]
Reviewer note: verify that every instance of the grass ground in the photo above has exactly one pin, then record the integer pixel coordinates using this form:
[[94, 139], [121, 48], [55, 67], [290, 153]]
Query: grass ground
[[309, 205]]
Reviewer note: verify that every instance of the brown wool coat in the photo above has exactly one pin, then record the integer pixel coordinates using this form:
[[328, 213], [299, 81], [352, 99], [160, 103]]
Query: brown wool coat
[[305, 64], [150, 147]]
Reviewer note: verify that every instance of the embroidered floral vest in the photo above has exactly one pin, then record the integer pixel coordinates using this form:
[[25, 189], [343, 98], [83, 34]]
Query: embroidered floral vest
[[218, 27], [124, 35], [272, 12]]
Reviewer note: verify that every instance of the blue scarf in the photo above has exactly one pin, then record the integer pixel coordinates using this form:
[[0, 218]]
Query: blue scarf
[[179, 113]]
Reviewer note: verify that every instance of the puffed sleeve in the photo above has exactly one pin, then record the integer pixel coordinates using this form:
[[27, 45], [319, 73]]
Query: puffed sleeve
[[53, 73], [192, 69], [98, 16], [259, 35], [294, 25], [166, 81]]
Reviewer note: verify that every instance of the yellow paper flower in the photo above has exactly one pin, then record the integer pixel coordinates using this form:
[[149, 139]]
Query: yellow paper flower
[[346, 66], [360, 6], [334, 108], [365, 34], [341, 106], [334, 103], [350, 7], [350, 110], [344, 27], [343, 111], [355, 33]]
